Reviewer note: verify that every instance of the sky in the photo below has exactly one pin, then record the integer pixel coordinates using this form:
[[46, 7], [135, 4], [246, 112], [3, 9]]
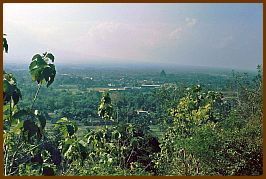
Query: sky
[[215, 35]]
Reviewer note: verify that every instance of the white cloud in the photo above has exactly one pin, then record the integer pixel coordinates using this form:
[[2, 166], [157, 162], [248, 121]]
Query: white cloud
[[180, 31], [122, 40], [103, 29], [190, 22], [175, 34]]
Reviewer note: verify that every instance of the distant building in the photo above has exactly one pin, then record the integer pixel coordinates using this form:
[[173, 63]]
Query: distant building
[[116, 89], [101, 91], [110, 84], [150, 86], [163, 74], [131, 88], [88, 78], [124, 88], [136, 88], [127, 88], [142, 112]]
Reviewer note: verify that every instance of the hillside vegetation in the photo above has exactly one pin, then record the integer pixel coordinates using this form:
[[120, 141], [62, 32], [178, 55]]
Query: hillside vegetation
[[99, 123]]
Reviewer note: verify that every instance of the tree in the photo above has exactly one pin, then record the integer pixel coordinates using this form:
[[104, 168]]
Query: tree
[[42, 70], [24, 132], [163, 74], [105, 109]]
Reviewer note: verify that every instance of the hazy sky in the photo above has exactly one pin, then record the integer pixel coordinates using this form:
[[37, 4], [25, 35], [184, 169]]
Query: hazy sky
[[226, 35]]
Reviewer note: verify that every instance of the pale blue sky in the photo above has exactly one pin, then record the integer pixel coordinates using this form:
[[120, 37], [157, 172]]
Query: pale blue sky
[[223, 35]]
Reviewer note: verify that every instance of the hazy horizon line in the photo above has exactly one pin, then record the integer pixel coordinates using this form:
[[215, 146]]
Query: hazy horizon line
[[139, 65]]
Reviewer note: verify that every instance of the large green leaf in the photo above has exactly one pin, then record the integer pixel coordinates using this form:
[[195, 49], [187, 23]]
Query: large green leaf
[[16, 96], [49, 74], [42, 120], [41, 69], [30, 128], [18, 127], [66, 127], [7, 87], [37, 118], [36, 57], [5, 45], [41, 62], [70, 129], [21, 113], [50, 56], [33, 65], [10, 90]]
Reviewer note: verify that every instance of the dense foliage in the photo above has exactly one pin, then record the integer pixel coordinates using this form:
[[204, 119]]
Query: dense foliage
[[178, 128]]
